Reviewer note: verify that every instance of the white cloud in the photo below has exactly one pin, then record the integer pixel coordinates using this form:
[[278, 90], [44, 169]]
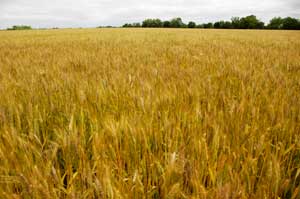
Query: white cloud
[[90, 13]]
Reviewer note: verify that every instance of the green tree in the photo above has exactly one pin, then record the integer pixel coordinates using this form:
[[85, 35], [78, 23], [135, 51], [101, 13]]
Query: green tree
[[136, 25], [21, 27], [208, 25], [235, 22], [191, 24], [223, 24], [152, 23], [217, 24], [166, 24], [176, 23], [227, 25], [290, 23], [275, 23], [251, 22]]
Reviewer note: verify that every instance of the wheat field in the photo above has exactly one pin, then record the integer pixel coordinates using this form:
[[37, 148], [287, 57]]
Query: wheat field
[[149, 113]]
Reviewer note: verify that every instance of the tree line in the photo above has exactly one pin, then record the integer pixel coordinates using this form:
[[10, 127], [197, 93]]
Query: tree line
[[20, 27], [248, 22]]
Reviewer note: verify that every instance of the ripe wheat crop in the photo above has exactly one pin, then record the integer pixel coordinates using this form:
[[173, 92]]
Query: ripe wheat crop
[[149, 113]]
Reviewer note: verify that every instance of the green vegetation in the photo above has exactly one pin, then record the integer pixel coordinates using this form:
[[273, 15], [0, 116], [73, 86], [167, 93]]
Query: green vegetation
[[22, 27], [192, 24], [152, 23], [248, 22]]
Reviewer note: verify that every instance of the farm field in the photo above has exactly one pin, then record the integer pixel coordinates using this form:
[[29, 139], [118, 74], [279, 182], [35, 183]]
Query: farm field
[[149, 113]]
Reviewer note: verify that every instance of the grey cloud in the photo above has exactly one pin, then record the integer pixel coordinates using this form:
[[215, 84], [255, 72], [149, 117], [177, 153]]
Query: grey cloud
[[295, 4], [89, 13]]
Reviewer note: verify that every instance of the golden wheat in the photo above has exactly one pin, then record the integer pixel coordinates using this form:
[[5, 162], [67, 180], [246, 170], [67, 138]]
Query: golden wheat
[[149, 113]]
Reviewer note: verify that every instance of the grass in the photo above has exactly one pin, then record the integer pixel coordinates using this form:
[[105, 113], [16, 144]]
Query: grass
[[150, 113]]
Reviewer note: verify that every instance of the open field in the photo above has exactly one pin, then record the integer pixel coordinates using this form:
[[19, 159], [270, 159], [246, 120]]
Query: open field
[[149, 113]]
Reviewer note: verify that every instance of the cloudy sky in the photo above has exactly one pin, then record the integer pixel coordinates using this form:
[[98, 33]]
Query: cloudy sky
[[91, 13]]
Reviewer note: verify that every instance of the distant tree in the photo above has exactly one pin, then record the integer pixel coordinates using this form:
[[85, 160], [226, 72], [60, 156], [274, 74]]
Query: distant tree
[[217, 24], [136, 25], [227, 25], [275, 23], [261, 25], [247, 22], [166, 24], [191, 24], [290, 23], [235, 22], [208, 25], [133, 25], [21, 27], [251, 22], [152, 23], [223, 24], [158, 23], [146, 23], [176, 23]]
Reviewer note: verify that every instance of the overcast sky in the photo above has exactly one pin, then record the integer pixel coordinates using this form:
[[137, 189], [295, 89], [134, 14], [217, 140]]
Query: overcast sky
[[91, 13]]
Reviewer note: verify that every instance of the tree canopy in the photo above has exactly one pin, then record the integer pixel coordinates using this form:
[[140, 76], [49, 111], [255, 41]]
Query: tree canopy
[[247, 22], [191, 24], [20, 27], [152, 23]]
